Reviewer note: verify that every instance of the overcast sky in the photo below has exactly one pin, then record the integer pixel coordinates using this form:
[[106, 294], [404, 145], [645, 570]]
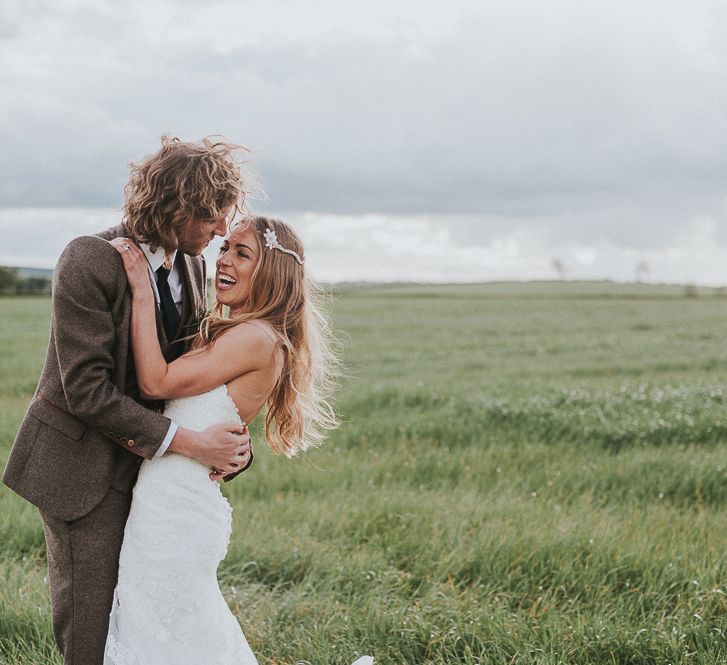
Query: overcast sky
[[448, 141]]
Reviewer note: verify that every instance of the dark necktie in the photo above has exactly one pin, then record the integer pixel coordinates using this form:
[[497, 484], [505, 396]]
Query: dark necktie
[[170, 313]]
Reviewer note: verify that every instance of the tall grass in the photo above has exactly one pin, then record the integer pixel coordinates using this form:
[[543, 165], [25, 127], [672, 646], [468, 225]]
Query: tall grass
[[523, 476]]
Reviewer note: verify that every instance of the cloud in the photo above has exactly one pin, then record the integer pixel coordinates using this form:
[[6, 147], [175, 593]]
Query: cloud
[[518, 109], [474, 141], [427, 248]]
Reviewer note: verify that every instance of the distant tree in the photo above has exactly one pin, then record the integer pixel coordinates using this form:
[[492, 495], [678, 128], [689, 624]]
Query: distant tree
[[11, 283], [559, 267], [690, 291], [642, 270], [33, 286], [8, 279]]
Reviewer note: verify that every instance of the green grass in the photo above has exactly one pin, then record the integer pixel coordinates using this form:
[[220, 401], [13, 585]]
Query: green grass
[[527, 473]]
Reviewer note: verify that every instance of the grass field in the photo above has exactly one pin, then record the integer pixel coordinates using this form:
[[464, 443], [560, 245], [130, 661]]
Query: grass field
[[526, 474]]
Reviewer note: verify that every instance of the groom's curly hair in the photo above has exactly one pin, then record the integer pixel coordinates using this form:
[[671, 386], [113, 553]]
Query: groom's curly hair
[[181, 183]]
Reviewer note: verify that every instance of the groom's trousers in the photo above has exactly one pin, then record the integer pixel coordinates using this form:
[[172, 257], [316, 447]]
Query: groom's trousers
[[83, 566]]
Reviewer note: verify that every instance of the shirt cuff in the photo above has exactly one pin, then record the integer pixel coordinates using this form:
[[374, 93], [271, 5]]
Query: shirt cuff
[[173, 427]]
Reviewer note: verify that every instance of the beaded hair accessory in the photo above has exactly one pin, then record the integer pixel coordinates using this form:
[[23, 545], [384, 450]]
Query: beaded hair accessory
[[271, 242]]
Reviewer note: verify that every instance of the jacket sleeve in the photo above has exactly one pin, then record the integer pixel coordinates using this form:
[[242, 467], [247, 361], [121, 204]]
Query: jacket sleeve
[[87, 280]]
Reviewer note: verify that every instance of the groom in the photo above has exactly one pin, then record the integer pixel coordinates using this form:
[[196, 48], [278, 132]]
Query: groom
[[78, 450]]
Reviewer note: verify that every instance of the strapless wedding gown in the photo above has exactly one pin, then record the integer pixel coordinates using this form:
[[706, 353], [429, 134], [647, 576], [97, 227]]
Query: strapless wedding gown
[[168, 608]]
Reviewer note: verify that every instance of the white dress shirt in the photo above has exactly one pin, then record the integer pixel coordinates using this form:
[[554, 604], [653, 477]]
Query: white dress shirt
[[155, 261]]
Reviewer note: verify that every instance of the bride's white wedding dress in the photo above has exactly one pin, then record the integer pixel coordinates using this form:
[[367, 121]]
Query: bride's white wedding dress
[[168, 608]]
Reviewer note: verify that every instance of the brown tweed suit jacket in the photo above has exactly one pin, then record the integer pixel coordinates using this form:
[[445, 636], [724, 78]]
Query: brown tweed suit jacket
[[86, 429]]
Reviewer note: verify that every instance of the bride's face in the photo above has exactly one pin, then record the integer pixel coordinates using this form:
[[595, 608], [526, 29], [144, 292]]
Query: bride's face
[[239, 256]]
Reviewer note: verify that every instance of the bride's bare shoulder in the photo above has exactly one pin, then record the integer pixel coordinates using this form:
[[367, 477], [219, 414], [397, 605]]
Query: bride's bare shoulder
[[254, 336]]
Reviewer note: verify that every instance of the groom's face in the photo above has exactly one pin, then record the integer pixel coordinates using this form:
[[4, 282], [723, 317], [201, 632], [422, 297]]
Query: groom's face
[[197, 234]]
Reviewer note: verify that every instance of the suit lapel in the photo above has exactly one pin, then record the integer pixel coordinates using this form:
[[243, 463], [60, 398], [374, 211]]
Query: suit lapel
[[191, 272], [194, 303], [164, 343], [125, 373], [192, 299]]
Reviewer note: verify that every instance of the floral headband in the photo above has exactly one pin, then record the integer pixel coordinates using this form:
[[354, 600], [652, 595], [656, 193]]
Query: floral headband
[[271, 242]]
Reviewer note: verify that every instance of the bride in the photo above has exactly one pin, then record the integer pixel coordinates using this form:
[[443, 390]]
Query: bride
[[271, 351]]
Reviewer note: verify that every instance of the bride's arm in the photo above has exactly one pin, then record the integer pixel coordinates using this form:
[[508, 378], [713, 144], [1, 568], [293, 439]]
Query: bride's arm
[[242, 349]]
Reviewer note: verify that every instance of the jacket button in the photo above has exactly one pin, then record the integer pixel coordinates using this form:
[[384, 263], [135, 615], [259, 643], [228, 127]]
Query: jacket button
[[130, 443]]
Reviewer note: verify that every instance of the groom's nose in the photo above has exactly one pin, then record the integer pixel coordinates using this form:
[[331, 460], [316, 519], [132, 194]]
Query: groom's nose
[[221, 227]]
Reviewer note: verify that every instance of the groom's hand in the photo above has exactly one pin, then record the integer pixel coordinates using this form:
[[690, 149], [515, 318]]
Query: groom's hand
[[244, 463], [225, 447]]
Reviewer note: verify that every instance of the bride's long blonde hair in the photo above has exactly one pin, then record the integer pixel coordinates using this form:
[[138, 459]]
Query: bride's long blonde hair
[[299, 409]]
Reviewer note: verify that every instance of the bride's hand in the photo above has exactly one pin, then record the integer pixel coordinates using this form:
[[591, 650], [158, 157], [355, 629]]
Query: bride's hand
[[135, 265]]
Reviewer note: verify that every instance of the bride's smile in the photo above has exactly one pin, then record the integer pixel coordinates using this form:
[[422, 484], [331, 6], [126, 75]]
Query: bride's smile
[[239, 256]]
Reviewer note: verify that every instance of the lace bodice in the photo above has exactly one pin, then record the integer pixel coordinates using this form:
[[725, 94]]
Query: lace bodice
[[202, 411]]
